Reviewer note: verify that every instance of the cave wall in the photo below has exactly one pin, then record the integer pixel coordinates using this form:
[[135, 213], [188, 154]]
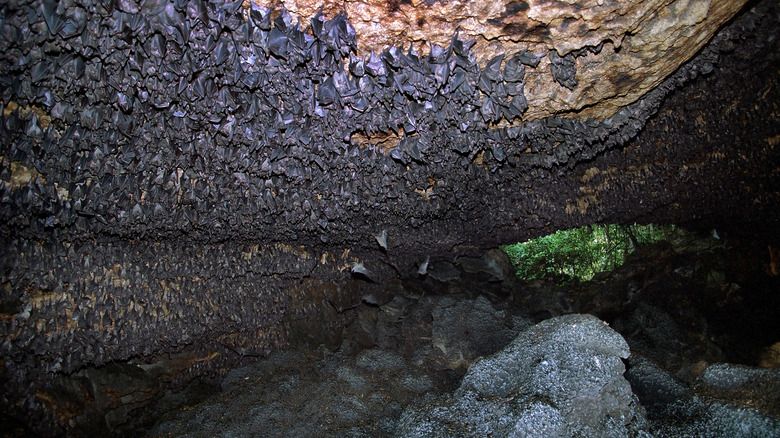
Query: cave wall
[[187, 182]]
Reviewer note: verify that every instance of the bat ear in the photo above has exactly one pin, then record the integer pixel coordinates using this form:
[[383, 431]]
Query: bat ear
[[357, 66], [381, 239], [277, 43], [422, 270], [316, 23], [514, 70], [360, 271], [563, 69], [493, 68], [326, 92]]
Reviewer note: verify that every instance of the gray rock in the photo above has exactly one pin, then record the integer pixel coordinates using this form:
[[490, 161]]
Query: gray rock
[[698, 417], [732, 376], [562, 377], [466, 329], [443, 271], [355, 381], [543, 299], [380, 360], [727, 400], [344, 394], [487, 265], [654, 386]]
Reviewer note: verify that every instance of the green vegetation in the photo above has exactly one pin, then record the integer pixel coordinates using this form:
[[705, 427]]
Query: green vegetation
[[571, 256]]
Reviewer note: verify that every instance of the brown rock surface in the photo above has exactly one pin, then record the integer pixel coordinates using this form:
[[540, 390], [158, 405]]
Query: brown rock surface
[[644, 41]]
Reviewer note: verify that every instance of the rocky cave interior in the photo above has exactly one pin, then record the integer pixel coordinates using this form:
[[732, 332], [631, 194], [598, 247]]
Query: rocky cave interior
[[283, 219]]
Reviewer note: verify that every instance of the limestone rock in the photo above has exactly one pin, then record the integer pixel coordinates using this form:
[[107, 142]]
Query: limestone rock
[[465, 330], [561, 377], [726, 400], [643, 41]]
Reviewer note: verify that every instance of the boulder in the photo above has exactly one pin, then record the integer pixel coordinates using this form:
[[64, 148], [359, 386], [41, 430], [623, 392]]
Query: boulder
[[561, 377], [726, 400]]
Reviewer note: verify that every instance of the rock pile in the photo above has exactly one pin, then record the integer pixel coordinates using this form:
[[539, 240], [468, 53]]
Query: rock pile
[[463, 361]]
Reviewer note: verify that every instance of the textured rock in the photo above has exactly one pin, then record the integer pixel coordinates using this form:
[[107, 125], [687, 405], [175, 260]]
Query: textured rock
[[640, 42], [290, 394], [351, 392], [467, 329], [561, 377], [726, 400]]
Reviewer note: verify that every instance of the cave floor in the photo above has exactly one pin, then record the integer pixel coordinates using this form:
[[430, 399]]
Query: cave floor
[[697, 324]]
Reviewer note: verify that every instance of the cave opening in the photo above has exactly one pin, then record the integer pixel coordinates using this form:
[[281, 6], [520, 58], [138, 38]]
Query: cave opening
[[696, 308], [738, 312], [578, 254], [697, 269]]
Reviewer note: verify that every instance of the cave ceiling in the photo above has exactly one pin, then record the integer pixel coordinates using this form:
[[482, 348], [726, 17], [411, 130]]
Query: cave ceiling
[[607, 53], [235, 121], [214, 176]]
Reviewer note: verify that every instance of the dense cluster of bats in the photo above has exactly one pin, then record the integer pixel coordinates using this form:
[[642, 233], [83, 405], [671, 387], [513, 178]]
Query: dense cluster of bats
[[128, 125]]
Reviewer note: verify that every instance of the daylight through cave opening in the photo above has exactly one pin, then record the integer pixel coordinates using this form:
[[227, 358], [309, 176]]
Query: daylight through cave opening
[[576, 255]]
